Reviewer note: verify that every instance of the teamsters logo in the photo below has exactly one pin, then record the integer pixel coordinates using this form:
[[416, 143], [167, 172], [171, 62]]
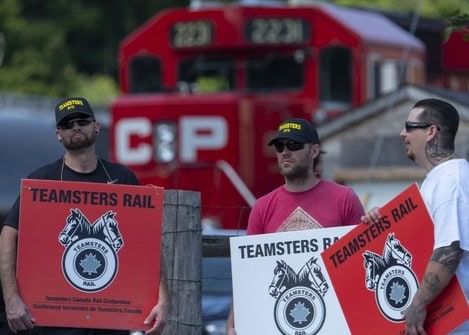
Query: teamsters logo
[[299, 308], [90, 259], [392, 278]]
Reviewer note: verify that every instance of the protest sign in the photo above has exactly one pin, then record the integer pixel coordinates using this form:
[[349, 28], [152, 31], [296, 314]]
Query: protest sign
[[89, 253], [280, 285], [376, 270]]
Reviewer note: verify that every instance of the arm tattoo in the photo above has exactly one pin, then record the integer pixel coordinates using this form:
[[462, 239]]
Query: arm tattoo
[[449, 256], [431, 282]]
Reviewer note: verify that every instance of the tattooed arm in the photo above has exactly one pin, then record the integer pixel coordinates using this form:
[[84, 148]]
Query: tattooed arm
[[440, 270]]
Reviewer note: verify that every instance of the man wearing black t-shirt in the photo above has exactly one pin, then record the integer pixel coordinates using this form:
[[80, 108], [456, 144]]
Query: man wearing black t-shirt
[[77, 130]]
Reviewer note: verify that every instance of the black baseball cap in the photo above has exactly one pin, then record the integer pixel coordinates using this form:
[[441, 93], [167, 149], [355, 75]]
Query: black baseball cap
[[72, 107], [298, 130]]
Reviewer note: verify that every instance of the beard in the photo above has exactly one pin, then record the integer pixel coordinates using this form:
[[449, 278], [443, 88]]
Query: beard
[[81, 143], [298, 172], [411, 156], [409, 153]]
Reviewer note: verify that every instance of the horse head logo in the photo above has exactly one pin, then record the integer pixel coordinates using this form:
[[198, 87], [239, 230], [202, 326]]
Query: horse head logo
[[315, 276], [106, 229], [284, 277], [393, 253], [396, 251], [310, 275], [76, 226], [391, 278], [299, 306]]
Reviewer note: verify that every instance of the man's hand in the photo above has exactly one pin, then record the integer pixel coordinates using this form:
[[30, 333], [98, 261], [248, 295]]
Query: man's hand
[[158, 317], [438, 274], [230, 331], [414, 318], [18, 315], [372, 216]]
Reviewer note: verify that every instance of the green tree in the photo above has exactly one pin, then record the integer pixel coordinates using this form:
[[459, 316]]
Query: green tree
[[454, 12], [61, 47], [459, 21], [429, 8]]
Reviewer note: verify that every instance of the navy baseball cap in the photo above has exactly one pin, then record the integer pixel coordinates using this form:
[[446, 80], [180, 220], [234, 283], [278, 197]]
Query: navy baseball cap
[[298, 130], [72, 107]]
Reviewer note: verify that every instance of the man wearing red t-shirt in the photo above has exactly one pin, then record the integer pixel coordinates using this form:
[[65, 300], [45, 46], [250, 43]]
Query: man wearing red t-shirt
[[305, 201]]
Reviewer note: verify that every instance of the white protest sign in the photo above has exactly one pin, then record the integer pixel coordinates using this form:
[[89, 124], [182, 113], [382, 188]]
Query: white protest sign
[[281, 286]]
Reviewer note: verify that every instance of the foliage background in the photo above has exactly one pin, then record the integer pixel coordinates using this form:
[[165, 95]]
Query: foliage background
[[69, 47]]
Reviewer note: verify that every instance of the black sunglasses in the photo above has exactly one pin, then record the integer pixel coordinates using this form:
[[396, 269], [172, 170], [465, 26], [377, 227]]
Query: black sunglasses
[[69, 124], [409, 125], [291, 146]]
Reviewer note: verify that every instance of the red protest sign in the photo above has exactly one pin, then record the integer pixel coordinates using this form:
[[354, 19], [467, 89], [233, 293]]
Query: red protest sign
[[89, 253], [378, 268]]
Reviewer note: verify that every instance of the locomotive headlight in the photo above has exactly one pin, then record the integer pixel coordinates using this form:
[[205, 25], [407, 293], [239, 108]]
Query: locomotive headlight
[[165, 142]]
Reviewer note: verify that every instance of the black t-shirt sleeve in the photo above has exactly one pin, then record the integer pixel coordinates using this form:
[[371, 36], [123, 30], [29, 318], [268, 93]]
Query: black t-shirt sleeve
[[50, 171]]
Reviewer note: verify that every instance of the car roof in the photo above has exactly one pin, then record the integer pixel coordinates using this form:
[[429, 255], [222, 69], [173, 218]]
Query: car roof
[[223, 232]]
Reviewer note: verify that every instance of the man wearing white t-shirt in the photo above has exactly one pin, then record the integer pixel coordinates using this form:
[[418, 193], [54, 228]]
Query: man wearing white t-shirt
[[428, 137]]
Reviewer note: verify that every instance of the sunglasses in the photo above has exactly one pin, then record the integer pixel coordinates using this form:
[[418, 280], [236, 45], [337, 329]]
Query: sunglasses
[[69, 124], [291, 146], [409, 125]]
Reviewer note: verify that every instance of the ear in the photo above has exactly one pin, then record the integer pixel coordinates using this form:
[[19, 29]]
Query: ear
[[315, 150], [432, 133], [97, 127]]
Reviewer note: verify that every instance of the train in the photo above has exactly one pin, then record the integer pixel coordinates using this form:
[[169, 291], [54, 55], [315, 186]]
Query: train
[[203, 89]]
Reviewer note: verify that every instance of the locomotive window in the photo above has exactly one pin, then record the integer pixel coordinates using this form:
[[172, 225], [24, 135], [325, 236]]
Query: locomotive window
[[275, 72], [206, 75], [386, 77], [335, 77], [145, 75]]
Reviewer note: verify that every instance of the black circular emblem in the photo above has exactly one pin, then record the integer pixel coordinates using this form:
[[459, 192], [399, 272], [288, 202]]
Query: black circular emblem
[[90, 264], [299, 310], [394, 290]]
